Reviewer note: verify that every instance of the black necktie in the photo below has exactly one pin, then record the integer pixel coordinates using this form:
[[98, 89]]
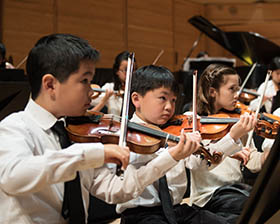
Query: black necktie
[[72, 206], [166, 202]]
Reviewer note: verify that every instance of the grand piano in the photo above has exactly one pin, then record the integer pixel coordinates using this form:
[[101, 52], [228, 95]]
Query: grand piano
[[263, 205], [249, 47]]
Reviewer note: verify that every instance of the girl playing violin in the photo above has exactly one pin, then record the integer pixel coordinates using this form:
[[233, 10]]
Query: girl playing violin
[[112, 101], [221, 190], [273, 86]]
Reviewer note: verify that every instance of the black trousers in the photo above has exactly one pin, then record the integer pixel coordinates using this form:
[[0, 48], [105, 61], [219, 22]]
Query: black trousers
[[228, 201], [184, 214]]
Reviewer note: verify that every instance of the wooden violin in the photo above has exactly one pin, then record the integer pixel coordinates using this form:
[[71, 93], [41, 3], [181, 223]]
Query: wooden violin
[[216, 126], [142, 139], [246, 96], [97, 91]]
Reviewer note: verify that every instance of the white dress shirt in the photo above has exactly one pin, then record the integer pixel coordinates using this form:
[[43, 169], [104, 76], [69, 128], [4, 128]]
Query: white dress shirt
[[114, 103], [269, 92], [176, 177], [205, 182], [33, 170]]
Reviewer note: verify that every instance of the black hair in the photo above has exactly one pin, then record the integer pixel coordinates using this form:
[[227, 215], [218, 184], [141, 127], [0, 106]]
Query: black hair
[[151, 77], [123, 56], [2, 50], [2, 55], [202, 54], [275, 64], [59, 55]]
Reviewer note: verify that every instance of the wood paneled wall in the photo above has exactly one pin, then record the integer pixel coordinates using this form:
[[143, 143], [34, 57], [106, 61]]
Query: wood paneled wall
[[262, 18], [145, 27]]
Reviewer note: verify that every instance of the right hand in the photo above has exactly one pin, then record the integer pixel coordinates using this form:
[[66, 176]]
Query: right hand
[[116, 154], [245, 124], [107, 95], [188, 144]]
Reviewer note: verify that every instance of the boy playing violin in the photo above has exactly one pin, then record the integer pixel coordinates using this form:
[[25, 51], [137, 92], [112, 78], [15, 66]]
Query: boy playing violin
[[220, 190], [40, 182], [153, 94]]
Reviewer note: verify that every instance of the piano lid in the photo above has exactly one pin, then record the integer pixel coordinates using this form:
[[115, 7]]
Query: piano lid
[[248, 46]]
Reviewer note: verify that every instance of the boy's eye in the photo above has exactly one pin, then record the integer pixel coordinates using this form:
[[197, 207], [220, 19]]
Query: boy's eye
[[85, 81], [162, 98]]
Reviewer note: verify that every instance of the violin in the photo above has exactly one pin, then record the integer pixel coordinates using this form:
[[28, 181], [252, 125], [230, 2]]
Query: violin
[[97, 91], [216, 126], [141, 138], [246, 96]]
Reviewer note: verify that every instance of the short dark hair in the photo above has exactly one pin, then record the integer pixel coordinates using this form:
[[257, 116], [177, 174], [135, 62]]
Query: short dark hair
[[59, 55], [275, 64], [151, 77]]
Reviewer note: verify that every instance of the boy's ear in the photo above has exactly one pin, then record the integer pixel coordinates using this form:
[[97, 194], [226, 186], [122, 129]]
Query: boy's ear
[[135, 98], [48, 84], [212, 92]]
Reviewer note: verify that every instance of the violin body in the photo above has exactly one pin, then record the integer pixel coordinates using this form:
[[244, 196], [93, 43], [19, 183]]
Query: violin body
[[141, 138], [208, 127], [105, 129]]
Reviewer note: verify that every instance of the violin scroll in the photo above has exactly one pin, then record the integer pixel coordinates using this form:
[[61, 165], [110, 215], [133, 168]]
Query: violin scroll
[[204, 153]]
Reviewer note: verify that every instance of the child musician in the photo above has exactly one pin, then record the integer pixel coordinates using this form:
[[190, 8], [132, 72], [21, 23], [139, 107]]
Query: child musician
[[273, 86], [220, 190], [112, 101], [153, 95], [40, 183]]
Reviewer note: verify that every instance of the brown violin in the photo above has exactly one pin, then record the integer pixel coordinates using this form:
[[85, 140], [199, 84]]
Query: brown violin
[[218, 125], [97, 91], [247, 95], [142, 139]]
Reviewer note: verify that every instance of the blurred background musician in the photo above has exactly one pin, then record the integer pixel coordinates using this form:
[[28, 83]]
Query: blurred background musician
[[4, 64]]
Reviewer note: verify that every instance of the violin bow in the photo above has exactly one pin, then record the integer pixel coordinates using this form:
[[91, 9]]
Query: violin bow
[[125, 109], [194, 101], [21, 62], [158, 57], [250, 136], [246, 79]]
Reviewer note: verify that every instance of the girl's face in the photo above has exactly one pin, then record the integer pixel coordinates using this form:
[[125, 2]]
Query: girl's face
[[226, 96], [122, 71]]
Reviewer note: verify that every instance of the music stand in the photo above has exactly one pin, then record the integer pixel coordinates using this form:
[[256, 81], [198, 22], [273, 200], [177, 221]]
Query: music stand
[[263, 202], [14, 91]]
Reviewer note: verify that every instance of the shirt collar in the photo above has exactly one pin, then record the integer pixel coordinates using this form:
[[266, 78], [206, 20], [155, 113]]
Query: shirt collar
[[41, 116], [137, 119]]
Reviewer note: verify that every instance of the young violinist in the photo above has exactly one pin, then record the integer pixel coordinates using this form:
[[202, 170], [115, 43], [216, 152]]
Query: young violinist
[[273, 86], [40, 182], [112, 100], [153, 95], [220, 190]]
